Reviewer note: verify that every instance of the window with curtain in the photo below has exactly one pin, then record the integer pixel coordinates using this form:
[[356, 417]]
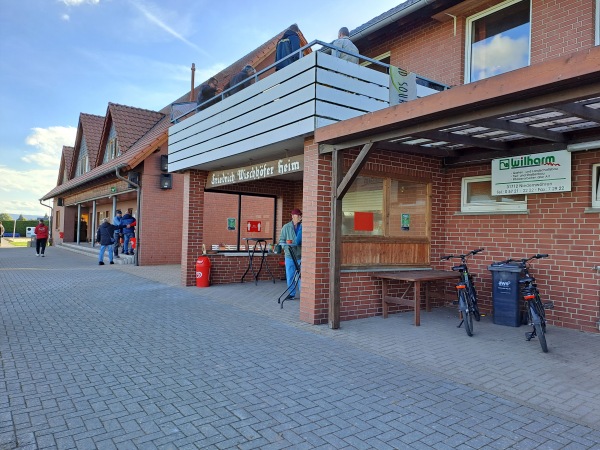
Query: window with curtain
[[386, 207], [498, 40], [476, 196]]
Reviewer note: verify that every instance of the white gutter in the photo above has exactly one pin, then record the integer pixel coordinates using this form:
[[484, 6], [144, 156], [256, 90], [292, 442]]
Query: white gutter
[[391, 19]]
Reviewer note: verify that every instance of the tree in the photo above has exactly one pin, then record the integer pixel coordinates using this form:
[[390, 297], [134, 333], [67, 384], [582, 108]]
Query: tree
[[5, 216], [21, 217]]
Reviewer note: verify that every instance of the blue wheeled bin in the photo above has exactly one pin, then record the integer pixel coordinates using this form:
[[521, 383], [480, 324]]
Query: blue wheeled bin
[[506, 294]]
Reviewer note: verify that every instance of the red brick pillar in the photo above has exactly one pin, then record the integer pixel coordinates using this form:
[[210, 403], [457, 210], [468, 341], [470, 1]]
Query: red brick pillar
[[193, 225], [316, 202]]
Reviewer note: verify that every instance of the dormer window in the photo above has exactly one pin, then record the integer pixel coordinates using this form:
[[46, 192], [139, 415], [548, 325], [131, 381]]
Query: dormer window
[[83, 164], [112, 146]]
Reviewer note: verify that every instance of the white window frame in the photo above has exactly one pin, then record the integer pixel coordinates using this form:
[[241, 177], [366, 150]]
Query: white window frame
[[468, 34], [597, 22], [473, 207], [596, 186]]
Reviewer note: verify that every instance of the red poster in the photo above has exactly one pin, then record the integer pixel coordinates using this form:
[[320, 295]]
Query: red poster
[[254, 226], [363, 221]]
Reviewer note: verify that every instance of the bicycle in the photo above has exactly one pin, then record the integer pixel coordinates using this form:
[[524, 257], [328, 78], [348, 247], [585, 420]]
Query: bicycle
[[465, 289], [535, 309]]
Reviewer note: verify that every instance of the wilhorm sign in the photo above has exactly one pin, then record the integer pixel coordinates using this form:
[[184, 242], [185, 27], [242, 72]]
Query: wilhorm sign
[[256, 171]]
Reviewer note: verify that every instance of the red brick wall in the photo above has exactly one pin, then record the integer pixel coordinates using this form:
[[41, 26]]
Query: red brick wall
[[229, 268], [556, 223], [161, 215], [192, 223], [431, 49]]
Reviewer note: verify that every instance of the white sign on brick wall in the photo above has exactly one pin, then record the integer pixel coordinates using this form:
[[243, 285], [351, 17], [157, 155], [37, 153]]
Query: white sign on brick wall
[[532, 174]]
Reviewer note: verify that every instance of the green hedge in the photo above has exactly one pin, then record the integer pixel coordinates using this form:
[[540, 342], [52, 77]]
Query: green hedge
[[22, 225]]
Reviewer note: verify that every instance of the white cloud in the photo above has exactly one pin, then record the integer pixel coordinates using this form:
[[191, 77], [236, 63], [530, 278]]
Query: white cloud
[[20, 189], [49, 143], [153, 18], [498, 55], [65, 17], [79, 2]]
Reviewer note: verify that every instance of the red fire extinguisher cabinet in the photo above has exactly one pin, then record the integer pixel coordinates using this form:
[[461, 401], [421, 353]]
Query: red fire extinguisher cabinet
[[203, 271]]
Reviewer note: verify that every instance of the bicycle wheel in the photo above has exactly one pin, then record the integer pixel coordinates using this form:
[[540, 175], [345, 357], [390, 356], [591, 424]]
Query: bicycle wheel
[[540, 310], [473, 294], [537, 324], [467, 314]]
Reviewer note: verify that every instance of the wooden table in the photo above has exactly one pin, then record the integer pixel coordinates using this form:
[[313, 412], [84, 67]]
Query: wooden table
[[414, 278]]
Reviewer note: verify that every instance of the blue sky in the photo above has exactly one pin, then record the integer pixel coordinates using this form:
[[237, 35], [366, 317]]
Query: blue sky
[[59, 58]]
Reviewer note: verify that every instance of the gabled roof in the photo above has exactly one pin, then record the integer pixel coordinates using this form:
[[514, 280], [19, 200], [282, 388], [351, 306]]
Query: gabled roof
[[91, 125], [130, 125], [66, 159], [141, 131], [254, 58]]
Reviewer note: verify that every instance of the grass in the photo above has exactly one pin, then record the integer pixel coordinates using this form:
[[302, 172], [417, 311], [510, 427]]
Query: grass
[[18, 242]]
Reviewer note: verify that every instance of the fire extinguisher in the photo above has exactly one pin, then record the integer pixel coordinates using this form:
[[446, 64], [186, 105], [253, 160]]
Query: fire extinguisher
[[203, 269]]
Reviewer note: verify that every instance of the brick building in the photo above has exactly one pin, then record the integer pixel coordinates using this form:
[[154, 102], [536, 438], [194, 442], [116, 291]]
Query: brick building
[[388, 186]]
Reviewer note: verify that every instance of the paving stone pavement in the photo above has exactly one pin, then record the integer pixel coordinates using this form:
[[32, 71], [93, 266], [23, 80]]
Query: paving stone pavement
[[122, 357]]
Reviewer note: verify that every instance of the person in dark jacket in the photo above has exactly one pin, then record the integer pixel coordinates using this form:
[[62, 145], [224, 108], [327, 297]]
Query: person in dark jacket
[[104, 236], [288, 44], [207, 91], [245, 74], [128, 223]]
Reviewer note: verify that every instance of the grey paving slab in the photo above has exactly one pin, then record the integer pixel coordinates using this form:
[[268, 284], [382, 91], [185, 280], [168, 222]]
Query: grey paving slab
[[123, 357]]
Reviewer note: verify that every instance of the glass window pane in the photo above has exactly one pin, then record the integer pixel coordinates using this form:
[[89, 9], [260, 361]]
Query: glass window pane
[[364, 196], [219, 232], [500, 41], [257, 219], [408, 209]]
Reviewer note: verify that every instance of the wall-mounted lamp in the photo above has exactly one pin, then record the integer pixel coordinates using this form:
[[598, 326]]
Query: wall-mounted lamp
[[164, 163]]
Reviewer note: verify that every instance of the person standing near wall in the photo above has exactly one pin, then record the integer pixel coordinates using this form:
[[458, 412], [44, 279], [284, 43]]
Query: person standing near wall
[[1, 232], [117, 234], [41, 238], [128, 224], [104, 236], [291, 233]]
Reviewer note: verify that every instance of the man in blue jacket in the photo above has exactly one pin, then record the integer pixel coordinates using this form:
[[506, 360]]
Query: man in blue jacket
[[128, 223], [291, 233], [118, 229]]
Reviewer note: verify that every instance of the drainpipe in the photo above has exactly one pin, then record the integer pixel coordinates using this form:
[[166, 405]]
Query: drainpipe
[[50, 221], [138, 219], [391, 19]]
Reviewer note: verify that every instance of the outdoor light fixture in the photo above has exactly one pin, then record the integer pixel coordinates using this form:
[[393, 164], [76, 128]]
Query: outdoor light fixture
[[164, 163], [166, 181]]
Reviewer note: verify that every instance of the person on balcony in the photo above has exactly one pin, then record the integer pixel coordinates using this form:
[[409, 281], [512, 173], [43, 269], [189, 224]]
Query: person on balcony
[[344, 42], [245, 74], [288, 44], [207, 91]]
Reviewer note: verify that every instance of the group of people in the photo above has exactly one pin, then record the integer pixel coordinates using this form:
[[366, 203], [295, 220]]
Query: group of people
[[109, 236], [286, 53]]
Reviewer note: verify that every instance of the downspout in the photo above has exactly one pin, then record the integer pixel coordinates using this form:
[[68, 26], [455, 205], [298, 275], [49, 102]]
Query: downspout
[[391, 19], [138, 218], [50, 220]]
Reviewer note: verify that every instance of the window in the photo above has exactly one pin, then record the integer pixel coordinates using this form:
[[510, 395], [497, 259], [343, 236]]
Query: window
[[477, 196], [596, 186], [231, 217], [597, 22], [83, 165], [386, 207], [57, 220], [111, 151], [498, 40]]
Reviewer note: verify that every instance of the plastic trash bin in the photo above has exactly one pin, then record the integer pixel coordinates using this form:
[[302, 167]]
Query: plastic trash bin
[[32, 241], [506, 294]]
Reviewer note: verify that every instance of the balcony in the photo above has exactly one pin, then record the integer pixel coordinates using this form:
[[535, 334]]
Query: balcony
[[273, 116]]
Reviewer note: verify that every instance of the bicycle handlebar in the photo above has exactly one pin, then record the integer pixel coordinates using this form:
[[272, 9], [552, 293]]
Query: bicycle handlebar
[[524, 260], [472, 252]]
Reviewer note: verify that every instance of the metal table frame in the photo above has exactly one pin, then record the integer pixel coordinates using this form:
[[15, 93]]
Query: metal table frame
[[260, 244]]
